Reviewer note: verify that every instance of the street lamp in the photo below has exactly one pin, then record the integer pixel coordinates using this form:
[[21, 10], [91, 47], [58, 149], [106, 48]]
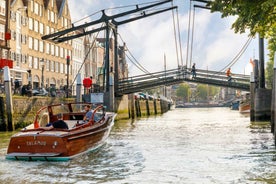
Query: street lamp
[[68, 64], [42, 72]]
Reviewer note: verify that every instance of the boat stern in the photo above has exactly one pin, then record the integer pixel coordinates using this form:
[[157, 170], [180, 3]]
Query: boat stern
[[33, 146]]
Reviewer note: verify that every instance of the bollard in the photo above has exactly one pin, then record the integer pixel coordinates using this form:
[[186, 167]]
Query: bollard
[[147, 107], [132, 112], [9, 107], [252, 95], [79, 84], [155, 108]]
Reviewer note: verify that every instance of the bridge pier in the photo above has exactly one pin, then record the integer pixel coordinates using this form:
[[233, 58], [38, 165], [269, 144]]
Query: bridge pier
[[260, 103]]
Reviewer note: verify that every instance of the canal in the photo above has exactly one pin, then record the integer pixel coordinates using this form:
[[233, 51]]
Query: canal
[[192, 145]]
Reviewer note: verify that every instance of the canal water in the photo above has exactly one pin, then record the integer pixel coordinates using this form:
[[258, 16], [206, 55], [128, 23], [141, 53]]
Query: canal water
[[192, 145]]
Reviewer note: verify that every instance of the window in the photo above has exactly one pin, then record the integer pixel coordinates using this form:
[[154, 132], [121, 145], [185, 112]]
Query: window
[[2, 32], [57, 49], [36, 44], [61, 68], [52, 50], [52, 16], [18, 59], [13, 35], [30, 43], [2, 7], [36, 26], [41, 28], [13, 16], [24, 58], [23, 39], [61, 52], [40, 10], [57, 67], [52, 66], [36, 8], [30, 23], [32, 6], [36, 63], [48, 65], [47, 30], [41, 46], [65, 22], [49, 17], [30, 61], [24, 20], [47, 48]]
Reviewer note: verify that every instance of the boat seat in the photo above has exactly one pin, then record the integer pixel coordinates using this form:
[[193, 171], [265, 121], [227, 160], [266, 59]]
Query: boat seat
[[44, 120]]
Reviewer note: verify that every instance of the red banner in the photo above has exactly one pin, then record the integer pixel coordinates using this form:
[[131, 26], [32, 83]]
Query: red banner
[[6, 62]]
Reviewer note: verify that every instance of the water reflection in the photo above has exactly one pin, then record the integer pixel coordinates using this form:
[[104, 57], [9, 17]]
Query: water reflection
[[213, 145]]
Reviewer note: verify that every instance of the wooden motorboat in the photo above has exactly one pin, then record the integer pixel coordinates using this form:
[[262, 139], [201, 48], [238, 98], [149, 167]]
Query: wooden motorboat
[[39, 142], [244, 106]]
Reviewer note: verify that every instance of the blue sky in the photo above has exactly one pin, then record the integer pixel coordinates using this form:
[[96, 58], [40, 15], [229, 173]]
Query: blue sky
[[215, 44]]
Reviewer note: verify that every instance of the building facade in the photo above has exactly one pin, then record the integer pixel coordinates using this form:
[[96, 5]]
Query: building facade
[[38, 62], [44, 64]]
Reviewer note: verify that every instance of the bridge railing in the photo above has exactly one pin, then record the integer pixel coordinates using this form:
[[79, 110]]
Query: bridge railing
[[174, 76]]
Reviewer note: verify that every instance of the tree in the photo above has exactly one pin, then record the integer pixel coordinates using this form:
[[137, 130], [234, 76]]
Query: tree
[[269, 74], [202, 91], [183, 91]]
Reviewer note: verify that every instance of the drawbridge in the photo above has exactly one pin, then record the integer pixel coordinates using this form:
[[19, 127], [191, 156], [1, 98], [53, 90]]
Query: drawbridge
[[180, 75]]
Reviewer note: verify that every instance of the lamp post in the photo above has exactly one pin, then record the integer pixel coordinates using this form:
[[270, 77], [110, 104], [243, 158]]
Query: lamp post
[[68, 63], [42, 72]]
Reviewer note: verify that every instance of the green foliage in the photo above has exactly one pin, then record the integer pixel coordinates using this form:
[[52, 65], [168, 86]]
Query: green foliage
[[202, 91], [183, 91], [269, 74]]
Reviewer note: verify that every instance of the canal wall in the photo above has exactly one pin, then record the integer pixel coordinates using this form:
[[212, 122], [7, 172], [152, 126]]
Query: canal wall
[[129, 107], [25, 108]]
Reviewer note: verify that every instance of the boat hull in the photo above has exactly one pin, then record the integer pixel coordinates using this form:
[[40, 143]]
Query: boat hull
[[58, 145]]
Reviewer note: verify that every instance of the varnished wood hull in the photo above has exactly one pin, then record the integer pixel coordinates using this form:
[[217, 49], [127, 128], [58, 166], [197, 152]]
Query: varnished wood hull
[[58, 145], [244, 107]]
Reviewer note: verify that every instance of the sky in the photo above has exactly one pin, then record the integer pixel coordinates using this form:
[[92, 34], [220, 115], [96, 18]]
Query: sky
[[153, 43]]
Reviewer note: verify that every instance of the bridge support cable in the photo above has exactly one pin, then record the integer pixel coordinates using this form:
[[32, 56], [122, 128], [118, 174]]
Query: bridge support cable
[[188, 36], [237, 57], [192, 38], [175, 39], [179, 37], [131, 58]]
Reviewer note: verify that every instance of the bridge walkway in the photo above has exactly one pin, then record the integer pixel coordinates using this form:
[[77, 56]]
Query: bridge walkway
[[180, 75]]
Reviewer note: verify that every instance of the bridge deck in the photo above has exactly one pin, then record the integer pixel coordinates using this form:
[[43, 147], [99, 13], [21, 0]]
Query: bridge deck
[[176, 76]]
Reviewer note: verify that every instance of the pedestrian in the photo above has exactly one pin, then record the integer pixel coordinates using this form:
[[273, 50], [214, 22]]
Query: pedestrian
[[228, 74], [193, 71]]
